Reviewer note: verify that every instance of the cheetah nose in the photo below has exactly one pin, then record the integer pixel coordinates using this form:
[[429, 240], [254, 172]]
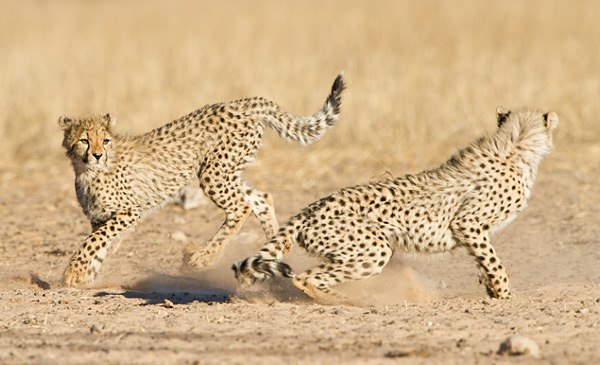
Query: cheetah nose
[[97, 155]]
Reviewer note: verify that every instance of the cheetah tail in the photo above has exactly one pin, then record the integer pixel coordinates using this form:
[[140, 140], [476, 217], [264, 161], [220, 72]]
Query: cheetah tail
[[253, 269], [334, 100], [309, 129]]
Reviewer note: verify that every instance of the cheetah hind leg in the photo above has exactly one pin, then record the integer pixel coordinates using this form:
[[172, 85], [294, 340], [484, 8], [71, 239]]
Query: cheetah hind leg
[[224, 189], [262, 207], [201, 257], [316, 283]]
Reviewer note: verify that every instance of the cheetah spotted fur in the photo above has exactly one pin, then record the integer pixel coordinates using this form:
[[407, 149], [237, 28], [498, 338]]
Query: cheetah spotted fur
[[356, 230], [119, 179]]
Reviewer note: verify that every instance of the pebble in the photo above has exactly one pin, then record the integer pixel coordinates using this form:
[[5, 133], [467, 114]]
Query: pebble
[[168, 304], [519, 345], [179, 236]]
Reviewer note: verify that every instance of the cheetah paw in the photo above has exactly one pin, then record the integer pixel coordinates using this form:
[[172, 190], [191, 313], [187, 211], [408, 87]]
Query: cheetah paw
[[496, 293], [199, 258], [507, 295], [74, 276]]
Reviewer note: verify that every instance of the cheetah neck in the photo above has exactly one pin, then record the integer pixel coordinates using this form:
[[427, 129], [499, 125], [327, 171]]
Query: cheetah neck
[[524, 155]]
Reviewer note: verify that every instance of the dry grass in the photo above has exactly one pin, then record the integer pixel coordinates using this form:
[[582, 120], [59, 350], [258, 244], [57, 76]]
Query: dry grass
[[424, 77]]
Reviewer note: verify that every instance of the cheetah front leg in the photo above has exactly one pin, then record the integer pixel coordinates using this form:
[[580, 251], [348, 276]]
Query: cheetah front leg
[[86, 262], [492, 273]]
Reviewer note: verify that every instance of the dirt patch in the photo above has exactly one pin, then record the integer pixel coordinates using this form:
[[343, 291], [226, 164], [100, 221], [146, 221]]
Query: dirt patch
[[421, 308]]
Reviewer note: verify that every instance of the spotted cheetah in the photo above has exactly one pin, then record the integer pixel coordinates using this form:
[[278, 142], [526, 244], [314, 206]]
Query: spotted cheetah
[[119, 179], [357, 229]]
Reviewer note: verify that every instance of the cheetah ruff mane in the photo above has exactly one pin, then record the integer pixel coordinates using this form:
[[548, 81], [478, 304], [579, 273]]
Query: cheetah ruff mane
[[520, 133]]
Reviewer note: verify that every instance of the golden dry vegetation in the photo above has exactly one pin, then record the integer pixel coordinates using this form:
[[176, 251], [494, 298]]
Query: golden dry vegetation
[[424, 77]]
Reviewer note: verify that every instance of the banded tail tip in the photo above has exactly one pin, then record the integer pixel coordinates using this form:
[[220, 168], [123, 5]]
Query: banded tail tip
[[339, 84]]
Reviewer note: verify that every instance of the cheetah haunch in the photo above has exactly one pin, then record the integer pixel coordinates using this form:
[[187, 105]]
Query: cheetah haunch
[[356, 230], [119, 179]]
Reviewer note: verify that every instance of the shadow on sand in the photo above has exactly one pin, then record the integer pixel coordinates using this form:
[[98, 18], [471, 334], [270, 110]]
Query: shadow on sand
[[178, 289], [181, 289]]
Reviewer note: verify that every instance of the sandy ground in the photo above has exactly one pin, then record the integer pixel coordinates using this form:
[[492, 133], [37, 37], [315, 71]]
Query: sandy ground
[[422, 309]]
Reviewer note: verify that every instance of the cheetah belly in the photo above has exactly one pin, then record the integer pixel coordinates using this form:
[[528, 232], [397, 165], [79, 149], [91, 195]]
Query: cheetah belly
[[151, 190], [436, 242]]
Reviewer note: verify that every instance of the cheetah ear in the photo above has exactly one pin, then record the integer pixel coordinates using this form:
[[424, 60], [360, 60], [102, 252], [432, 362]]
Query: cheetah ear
[[551, 120], [65, 123], [501, 115], [110, 120]]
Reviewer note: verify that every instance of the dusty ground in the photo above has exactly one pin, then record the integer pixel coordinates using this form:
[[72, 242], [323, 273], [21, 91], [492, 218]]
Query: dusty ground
[[421, 309]]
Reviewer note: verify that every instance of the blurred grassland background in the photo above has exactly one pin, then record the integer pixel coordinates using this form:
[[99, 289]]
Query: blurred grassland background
[[424, 77]]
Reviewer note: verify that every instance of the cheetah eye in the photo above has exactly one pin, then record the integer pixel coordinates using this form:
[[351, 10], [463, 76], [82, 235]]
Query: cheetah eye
[[84, 141], [105, 142]]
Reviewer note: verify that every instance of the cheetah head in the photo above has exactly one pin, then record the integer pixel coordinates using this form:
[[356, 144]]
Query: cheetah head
[[528, 128], [88, 140]]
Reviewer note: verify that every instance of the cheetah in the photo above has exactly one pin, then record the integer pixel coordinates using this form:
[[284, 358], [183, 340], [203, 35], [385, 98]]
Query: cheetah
[[120, 179], [356, 230]]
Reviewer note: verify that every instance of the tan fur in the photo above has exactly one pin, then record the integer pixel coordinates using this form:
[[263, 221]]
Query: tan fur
[[356, 230], [119, 179]]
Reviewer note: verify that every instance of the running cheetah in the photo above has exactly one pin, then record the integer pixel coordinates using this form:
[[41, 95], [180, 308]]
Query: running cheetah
[[120, 179], [356, 230]]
